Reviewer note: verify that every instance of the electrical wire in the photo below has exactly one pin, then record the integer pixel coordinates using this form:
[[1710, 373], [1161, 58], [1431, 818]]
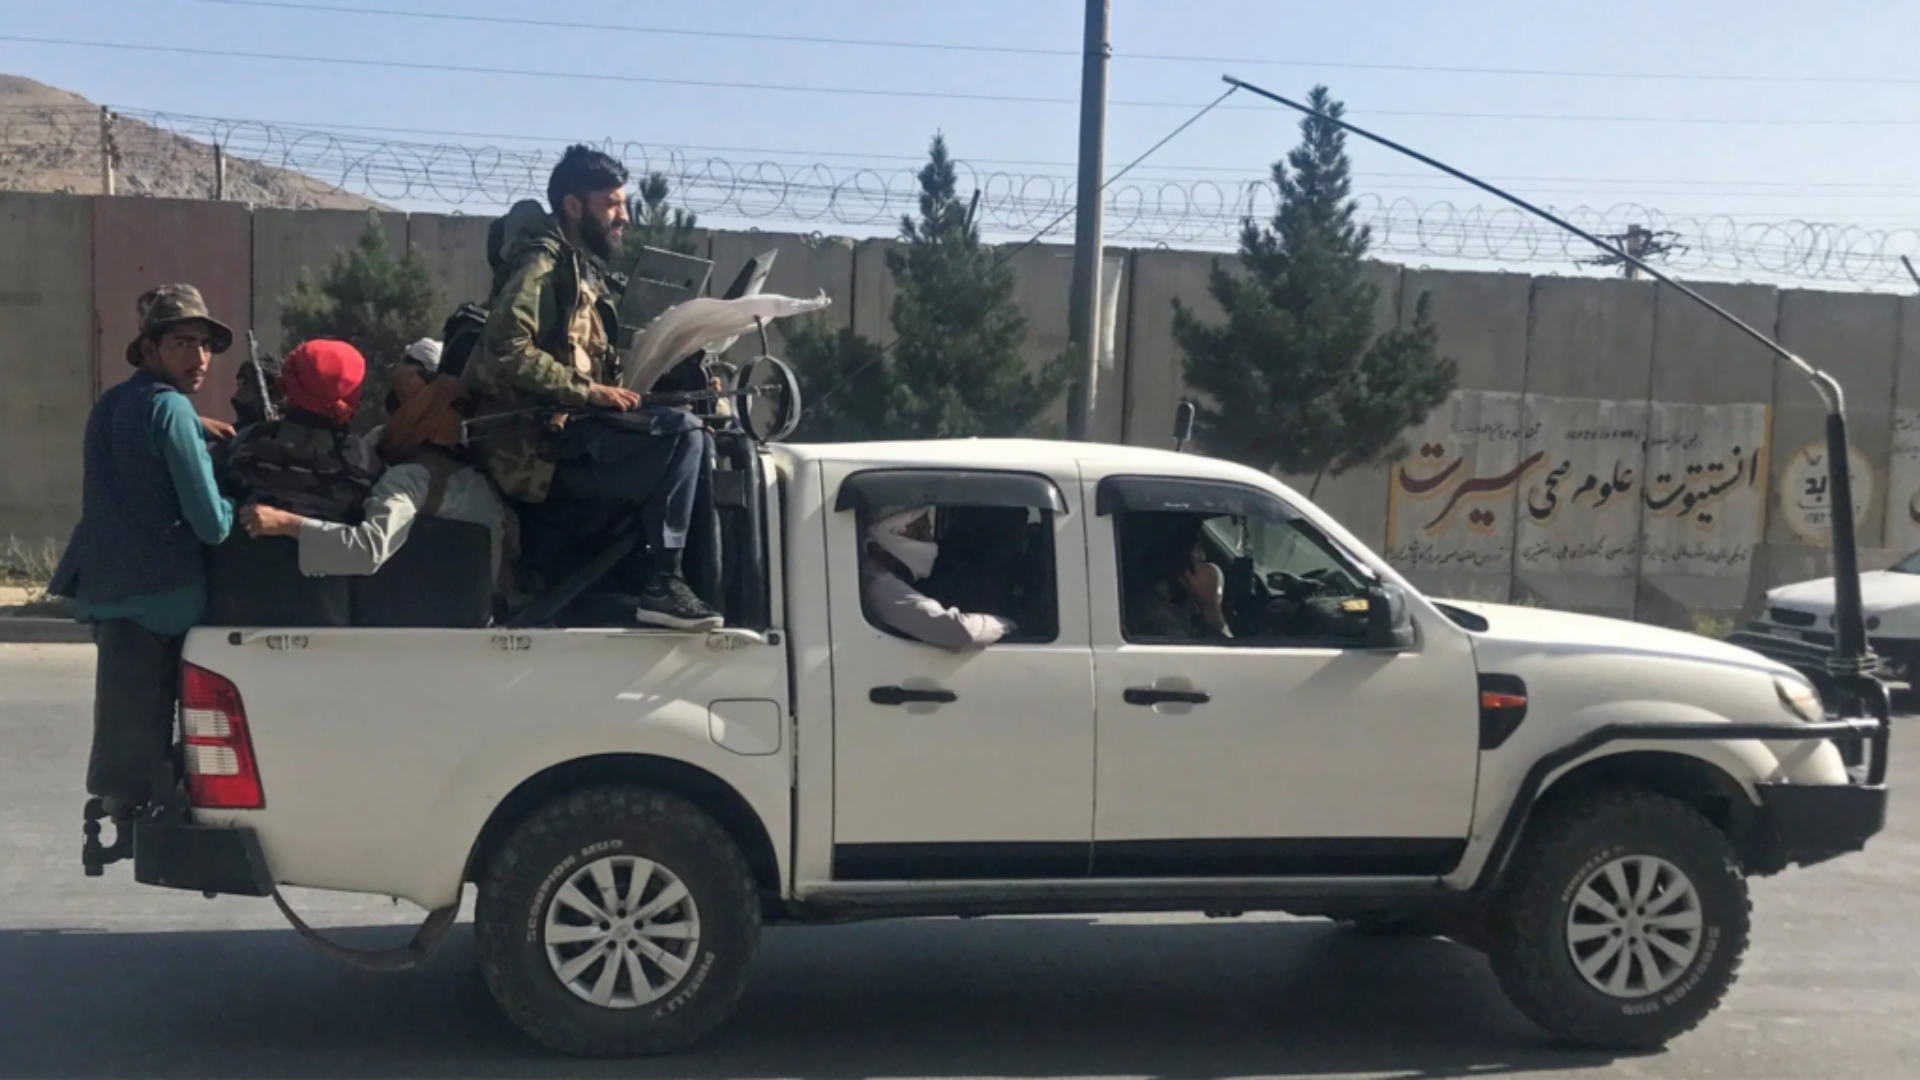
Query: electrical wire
[[860, 91], [1035, 239], [1013, 50]]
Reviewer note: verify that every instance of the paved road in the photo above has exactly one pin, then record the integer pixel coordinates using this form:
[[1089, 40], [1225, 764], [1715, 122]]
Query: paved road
[[104, 978]]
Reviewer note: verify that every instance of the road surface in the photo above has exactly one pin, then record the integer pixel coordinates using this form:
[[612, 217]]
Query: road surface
[[99, 977]]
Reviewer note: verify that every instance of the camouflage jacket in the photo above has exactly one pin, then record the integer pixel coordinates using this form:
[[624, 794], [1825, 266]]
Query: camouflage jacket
[[523, 360]]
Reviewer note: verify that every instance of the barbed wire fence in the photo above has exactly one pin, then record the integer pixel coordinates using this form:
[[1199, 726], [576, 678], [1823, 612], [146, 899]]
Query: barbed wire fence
[[277, 164]]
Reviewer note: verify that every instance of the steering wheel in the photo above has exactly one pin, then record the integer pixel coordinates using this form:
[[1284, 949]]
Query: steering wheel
[[1301, 586]]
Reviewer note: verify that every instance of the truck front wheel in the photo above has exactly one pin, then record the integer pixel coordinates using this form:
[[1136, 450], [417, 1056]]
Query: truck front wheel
[[616, 922], [1624, 923]]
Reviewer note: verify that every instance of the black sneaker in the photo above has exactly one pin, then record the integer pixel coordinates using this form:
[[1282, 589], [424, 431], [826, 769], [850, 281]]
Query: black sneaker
[[669, 602]]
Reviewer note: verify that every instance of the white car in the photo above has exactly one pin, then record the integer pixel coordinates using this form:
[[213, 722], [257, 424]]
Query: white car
[[1584, 799], [1802, 614]]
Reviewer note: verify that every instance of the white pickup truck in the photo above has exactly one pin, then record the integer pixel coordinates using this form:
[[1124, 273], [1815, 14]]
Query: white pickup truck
[[1583, 799]]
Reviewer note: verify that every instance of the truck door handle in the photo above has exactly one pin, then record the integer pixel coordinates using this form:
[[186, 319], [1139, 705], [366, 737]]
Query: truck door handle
[[900, 695], [1150, 695]]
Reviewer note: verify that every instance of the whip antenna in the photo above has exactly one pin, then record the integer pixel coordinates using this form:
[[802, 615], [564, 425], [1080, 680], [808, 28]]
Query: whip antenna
[[1851, 660]]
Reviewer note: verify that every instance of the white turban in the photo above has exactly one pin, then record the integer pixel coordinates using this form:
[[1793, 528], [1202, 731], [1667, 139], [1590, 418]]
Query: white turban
[[889, 532], [426, 353]]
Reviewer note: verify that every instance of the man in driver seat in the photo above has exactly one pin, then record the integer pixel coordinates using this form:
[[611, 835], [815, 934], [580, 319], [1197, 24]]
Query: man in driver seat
[[1172, 592]]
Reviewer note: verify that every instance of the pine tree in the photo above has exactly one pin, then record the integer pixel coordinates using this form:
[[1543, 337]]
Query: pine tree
[[367, 297], [371, 299], [655, 224], [957, 369], [1298, 379], [845, 383]]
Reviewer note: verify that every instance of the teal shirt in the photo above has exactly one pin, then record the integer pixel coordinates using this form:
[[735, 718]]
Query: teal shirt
[[179, 440]]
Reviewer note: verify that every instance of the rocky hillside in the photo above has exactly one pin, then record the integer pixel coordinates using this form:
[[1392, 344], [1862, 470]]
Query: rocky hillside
[[50, 141]]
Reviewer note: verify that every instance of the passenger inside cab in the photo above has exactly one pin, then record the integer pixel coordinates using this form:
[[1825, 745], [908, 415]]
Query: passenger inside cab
[[899, 556]]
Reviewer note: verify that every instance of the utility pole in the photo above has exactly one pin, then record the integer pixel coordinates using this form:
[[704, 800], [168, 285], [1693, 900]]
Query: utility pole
[[107, 152], [1640, 243], [219, 173], [1083, 304]]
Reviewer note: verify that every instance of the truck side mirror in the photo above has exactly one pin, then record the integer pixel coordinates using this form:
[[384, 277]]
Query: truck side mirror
[[1182, 425], [1389, 623]]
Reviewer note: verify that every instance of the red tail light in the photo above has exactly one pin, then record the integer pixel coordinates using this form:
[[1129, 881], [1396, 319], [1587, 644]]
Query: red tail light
[[221, 772]]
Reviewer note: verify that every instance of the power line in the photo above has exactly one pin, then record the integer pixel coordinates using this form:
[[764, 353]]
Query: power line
[[417, 65], [1013, 50], [1036, 238]]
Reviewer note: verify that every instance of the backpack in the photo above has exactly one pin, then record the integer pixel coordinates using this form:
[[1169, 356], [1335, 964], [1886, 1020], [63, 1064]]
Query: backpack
[[305, 468], [460, 336]]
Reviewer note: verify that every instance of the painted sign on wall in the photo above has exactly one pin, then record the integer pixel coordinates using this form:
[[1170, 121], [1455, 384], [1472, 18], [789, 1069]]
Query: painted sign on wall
[[1452, 501], [1498, 481], [1903, 483], [1805, 502], [1706, 492]]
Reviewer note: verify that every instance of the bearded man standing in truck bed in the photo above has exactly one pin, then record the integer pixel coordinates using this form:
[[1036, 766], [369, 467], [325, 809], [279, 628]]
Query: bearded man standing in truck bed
[[550, 337]]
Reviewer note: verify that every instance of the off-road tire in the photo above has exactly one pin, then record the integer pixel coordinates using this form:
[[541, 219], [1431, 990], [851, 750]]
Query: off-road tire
[[1563, 846], [535, 860]]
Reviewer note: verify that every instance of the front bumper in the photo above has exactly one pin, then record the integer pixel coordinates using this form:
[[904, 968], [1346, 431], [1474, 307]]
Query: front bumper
[[1806, 824], [175, 854]]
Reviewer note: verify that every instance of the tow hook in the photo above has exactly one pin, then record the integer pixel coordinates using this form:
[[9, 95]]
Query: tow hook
[[96, 857]]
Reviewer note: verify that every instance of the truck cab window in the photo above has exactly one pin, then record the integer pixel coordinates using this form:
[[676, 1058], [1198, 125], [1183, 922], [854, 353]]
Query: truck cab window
[[1256, 579]]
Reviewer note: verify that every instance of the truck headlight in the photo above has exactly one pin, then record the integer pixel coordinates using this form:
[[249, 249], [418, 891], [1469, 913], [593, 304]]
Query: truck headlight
[[1800, 698]]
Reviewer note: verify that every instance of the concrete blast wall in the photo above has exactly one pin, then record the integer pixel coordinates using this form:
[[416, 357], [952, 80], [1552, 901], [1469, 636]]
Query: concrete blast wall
[[46, 353], [1610, 447]]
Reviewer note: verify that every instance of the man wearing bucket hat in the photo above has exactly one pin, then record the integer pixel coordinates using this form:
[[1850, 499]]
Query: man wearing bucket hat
[[135, 567]]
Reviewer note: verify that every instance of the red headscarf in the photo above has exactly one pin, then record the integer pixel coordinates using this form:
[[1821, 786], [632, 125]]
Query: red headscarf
[[323, 378]]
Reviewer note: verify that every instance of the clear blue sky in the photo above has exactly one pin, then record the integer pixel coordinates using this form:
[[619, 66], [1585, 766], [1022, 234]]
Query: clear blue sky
[[1792, 162]]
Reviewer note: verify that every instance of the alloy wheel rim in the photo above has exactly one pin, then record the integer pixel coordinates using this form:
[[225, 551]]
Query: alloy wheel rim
[[622, 932], [1635, 927]]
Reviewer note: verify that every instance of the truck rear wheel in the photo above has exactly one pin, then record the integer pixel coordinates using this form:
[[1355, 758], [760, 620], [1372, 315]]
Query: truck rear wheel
[[617, 922], [1624, 923]]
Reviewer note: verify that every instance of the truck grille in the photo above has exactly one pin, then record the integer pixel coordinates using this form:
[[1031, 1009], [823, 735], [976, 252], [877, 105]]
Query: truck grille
[[1792, 618]]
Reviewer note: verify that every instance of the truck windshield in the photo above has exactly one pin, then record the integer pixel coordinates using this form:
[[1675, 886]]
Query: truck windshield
[[1288, 547]]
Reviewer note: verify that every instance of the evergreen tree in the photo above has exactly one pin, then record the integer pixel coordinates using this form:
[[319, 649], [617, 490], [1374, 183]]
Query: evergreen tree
[[957, 369], [655, 224], [367, 297], [845, 383], [1297, 380]]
